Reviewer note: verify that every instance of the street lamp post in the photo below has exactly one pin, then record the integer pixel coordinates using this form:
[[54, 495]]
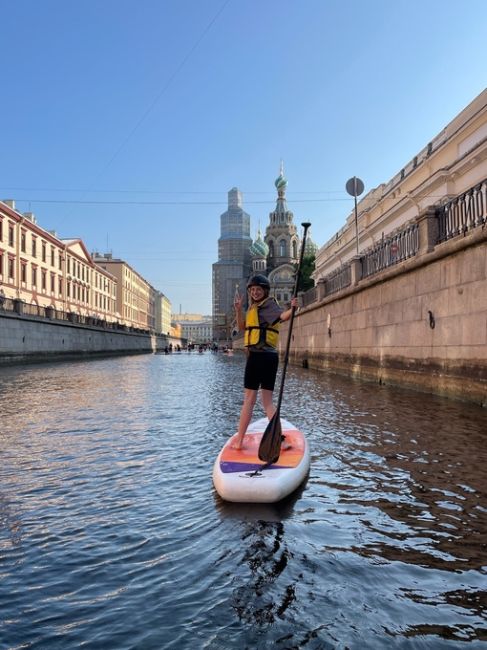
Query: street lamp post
[[355, 187]]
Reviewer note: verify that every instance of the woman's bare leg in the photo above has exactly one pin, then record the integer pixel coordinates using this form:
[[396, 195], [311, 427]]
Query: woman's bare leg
[[266, 397], [250, 397]]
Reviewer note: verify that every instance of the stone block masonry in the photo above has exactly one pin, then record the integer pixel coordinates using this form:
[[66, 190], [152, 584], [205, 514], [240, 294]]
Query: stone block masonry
[[421, 324], [29, 338]]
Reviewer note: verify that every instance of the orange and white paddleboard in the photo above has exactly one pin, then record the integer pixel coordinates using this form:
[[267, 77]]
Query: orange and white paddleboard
[[240, 476]]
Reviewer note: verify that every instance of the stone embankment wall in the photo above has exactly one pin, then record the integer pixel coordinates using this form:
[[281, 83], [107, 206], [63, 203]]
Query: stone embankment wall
[[26, 338], [420, 324]]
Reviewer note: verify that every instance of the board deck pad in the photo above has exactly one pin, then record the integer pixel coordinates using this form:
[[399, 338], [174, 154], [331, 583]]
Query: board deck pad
[[247, 458]]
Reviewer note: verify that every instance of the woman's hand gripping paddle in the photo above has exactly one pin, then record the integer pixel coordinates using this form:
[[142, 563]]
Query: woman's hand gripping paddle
[[270, 445]]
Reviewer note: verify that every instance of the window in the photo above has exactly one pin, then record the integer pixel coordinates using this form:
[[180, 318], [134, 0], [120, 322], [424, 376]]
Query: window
[[43, 251], [282, 248], [1, 229], [23, 272], [60, 261], [53, 282], [1, 264], [60, 286], [295, 249], [11, 268], [271, 249], [11, 236], [52, 255], [34, 246], [23, 238], [68, 288], [34, 276]]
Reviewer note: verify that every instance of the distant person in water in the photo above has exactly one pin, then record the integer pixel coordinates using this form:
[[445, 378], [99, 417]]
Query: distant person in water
[[261, 327]]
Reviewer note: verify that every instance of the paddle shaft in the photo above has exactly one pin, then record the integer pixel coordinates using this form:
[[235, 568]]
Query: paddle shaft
[[270, 444], [291, 322]]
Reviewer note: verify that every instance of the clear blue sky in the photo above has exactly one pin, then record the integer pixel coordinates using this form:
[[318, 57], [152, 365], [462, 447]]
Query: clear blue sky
[[126, 122]]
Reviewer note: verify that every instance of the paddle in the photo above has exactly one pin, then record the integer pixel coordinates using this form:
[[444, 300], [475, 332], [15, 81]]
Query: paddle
[[270, 445]]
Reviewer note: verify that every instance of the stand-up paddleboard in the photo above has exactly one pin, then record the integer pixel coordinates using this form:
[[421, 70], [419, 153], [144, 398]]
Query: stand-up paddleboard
[[240, 476]]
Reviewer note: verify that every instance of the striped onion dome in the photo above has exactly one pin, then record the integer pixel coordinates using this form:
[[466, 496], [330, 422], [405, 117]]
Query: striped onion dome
[[259, 248]]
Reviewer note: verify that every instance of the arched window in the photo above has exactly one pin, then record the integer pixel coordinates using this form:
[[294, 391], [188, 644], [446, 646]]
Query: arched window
[[282, 248], [295, 249], [271, 249]]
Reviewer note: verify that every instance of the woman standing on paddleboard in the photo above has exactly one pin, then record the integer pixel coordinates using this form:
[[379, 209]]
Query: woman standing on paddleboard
[[261, 327]]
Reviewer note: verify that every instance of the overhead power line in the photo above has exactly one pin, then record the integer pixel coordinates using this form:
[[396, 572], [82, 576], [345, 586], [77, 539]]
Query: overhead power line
[[292, 199], [165, 87], [222, 202], [172, 192]]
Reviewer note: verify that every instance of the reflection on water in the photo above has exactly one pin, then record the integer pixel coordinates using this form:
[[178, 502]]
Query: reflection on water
[[111, 535]]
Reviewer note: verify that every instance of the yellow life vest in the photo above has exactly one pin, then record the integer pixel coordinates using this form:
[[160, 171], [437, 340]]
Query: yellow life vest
[[256, 333]]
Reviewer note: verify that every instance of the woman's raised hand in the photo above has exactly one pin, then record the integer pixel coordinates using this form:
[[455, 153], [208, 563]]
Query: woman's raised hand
[[237, 301]]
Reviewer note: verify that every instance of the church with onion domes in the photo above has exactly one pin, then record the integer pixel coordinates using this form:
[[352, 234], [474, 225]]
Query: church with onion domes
[[277, 254], [274, 255]]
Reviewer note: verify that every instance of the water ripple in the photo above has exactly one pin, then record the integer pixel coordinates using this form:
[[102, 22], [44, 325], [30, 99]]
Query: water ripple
[[111, 535]]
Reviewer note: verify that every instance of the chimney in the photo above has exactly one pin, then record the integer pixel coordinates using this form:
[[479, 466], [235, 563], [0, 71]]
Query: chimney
[[30, 216], [10, 203]]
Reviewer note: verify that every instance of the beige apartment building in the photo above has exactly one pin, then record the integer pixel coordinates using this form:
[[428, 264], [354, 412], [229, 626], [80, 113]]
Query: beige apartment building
[[162, 313], [41, 269], [135, 297], [452, 163]]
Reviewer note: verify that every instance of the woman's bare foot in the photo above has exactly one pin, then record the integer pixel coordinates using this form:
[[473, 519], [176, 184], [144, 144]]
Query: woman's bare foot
[[238, 443]]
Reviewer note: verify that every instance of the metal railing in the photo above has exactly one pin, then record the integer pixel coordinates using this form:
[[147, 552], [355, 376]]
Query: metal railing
[[49, 313], [391, 250], [458, 216], [308, 297], [338, 280], [463, 213]]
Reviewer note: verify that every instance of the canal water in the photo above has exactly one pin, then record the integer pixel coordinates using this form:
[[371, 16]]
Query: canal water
[[112, 537]]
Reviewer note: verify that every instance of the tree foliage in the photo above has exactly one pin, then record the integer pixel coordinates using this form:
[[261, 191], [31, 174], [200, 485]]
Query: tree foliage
[[306, 281]]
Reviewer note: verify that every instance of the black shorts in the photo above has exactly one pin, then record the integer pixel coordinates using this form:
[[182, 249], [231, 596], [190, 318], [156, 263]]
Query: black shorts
[[261, 370]]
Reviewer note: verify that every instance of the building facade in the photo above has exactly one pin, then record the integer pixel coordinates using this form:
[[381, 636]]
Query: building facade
[[41, 269], [451, 163], [162, 307], [277, 255], [233, 267], [135, 297], [282, 240], [197, 331]]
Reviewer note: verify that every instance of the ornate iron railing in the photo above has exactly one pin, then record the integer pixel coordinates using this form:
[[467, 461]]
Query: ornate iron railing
[[308, 297], [49, 313], [339, 279], [391, 250], [463, 213]]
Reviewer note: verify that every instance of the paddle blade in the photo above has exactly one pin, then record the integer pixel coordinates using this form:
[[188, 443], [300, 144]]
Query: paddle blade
[[270, 445]]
